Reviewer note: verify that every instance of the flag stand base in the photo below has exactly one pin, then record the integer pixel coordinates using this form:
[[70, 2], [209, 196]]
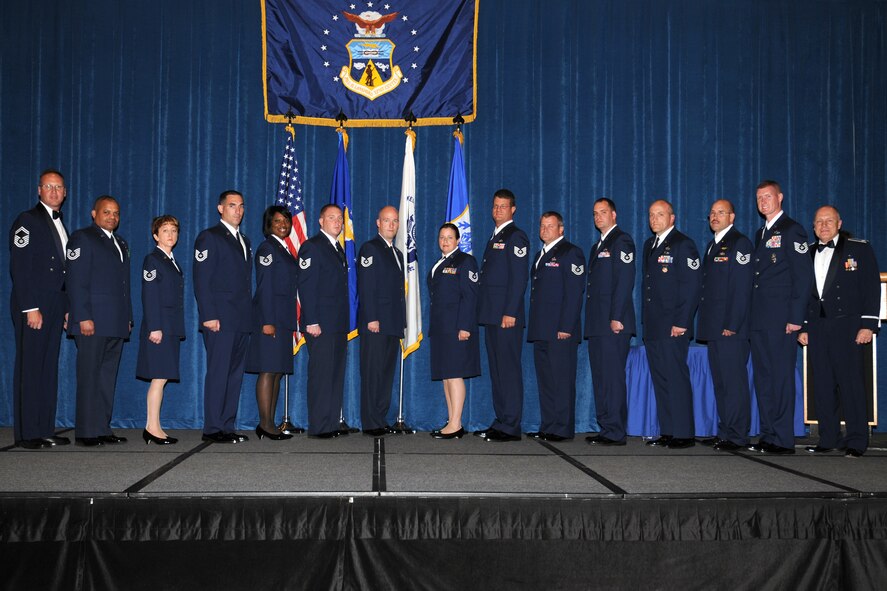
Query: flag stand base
[[288, 428], [400, 428]]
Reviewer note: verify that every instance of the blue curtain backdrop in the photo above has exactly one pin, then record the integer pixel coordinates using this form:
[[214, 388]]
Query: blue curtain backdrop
[[160, 104]]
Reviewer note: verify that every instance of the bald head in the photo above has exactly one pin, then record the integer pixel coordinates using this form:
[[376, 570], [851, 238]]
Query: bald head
[[826, 223], [388, 222]]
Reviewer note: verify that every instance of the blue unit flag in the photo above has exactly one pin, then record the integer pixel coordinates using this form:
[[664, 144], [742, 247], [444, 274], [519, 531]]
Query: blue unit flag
[[374, 62]]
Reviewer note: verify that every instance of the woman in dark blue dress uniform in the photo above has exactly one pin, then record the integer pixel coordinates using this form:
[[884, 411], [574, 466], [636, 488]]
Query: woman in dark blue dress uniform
[[163, 322], [274, 311], [455, 352]]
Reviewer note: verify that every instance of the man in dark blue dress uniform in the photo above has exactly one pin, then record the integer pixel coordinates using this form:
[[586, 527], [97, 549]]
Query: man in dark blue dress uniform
[[842, 315], [323, 293], [558, 281], [100, 318], [609, 322], [223, 288], [670, 296], [381, 319], [37, 243], [500, 310], [781, 288], [723, 323]]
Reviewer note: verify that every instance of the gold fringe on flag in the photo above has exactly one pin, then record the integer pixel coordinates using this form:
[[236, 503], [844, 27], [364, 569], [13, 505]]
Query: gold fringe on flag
[[412, 134], [344, 137], [458, 135]]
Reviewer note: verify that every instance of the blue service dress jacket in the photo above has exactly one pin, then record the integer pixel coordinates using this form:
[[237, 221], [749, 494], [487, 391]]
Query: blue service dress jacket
[[380, 288], [611, 275], [98, 283], [503, 277], [727, 276], [223, 279], [558, 283]]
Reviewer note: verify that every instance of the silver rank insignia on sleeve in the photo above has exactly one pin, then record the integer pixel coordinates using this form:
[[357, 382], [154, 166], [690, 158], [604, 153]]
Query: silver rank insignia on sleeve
[[472, 276], [742, 259], [266, 261], [366, 262], [149, 275], [304, 263], [201, 255], [693, 263], [801, 247], [73, 254], [520, 252], [21, 237], [578, 269], [626, 257]]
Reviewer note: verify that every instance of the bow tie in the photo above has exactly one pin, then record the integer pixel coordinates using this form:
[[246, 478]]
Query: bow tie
[[820, 247], [56, 215]]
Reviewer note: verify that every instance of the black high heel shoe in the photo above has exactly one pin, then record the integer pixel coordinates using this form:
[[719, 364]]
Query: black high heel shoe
[[260, 433], [454, 435], [157, 440]]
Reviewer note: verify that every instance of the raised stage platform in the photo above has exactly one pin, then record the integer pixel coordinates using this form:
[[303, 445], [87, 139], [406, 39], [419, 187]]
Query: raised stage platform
[[408, 511]]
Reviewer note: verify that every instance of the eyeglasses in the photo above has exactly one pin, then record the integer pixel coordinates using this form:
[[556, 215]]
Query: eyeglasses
[[52, 187]]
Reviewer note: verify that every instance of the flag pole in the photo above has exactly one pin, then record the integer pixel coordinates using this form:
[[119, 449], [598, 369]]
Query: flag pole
[[400, 427], [286, 427]]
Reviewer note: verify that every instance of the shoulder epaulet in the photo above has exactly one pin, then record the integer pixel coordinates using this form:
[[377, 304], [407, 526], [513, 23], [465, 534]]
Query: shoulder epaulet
[[860, 240]]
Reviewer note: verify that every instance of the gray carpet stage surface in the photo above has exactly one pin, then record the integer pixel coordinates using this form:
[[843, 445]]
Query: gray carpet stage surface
[[419, 465]]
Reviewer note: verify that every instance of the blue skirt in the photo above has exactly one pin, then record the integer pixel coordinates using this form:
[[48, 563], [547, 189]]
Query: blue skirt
[[269, 354], [452, 358], [158, 361]]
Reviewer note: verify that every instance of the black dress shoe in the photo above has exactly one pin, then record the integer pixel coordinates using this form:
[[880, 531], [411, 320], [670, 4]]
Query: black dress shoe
[[482, 433], [679, 443], [327, 435], [776, 450], [554, 437], [377, 432], [89, 441], [219, 437], [818, 449], [261, 433], [240, 437], [536, 435], [708, 441], [662, 441], [497, 435], [454, 435], [57, 440], [34, 443], [157, 440], [601, 440], [727, 445], [756, 447], [853, 453], [112, 439]]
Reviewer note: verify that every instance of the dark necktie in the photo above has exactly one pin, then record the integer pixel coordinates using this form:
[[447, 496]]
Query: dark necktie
[[396, 257], [340, 252], [820, 247], [655, 244], [240, 244]]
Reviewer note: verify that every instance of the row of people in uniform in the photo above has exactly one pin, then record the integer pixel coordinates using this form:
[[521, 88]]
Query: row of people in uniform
[[756, 298]]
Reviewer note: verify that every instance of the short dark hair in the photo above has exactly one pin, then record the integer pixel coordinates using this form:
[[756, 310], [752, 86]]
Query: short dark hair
[[768, 183], [329, 205], [450, 226], [100, 198], [51, 171], [269, 214], [608, 201], [227, 192], [161, 221], [554, 214], [505, 194]]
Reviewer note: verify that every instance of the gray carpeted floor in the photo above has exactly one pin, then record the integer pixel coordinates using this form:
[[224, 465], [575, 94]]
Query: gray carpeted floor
[[419, 465]]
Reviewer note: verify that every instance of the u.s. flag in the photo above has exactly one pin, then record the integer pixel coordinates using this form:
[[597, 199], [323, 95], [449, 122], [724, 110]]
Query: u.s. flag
[[374, 62], [289, 195]]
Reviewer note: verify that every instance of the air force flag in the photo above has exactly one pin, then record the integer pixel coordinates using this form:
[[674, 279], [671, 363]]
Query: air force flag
[[373, 61]]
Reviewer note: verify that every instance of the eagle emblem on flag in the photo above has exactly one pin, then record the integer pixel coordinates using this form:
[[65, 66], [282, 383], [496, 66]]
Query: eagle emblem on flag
[[371, 71]]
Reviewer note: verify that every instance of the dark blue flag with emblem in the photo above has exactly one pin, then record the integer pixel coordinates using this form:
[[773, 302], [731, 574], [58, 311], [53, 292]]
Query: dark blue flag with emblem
[[374, 62]]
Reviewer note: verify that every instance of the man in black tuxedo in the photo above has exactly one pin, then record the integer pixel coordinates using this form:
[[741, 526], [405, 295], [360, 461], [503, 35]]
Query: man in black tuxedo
[[842, 316], [100, 319], [39, 305], [323, 294], [381, 319]]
